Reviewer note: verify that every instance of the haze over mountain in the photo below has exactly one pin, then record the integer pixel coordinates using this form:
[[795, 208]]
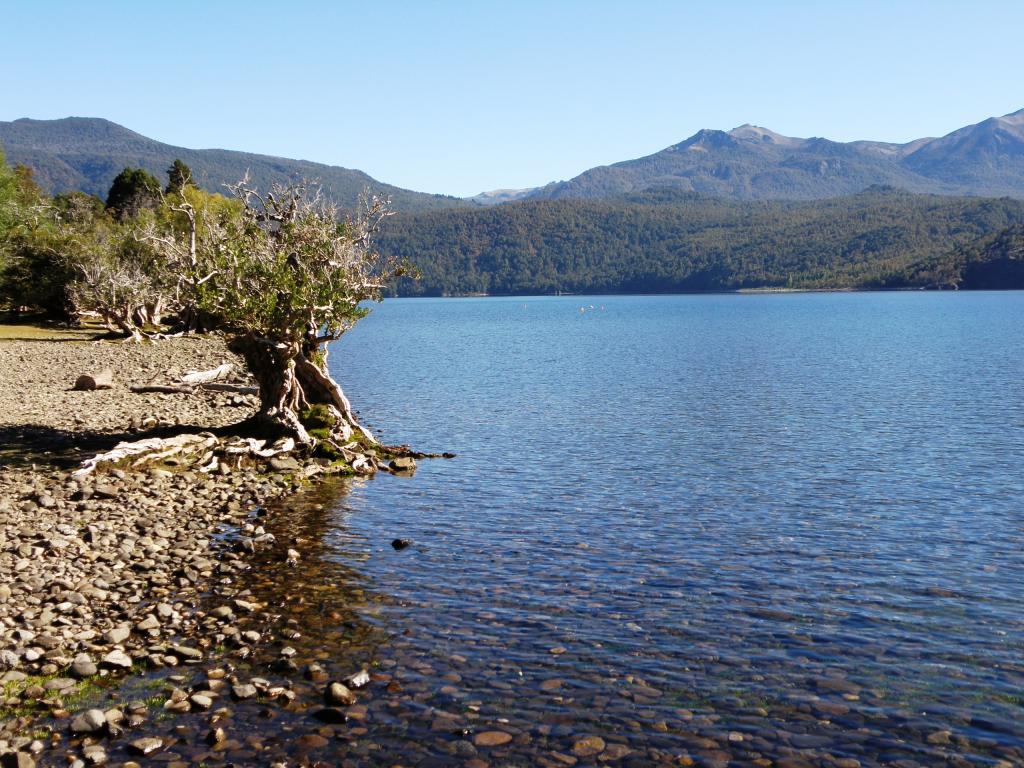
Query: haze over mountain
[[81, 153], [753, 163]]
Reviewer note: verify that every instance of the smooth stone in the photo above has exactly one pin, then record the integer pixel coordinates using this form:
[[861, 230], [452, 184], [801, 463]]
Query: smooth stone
[[492, 738], [90, 721], [244, 691], [118, 659], [95, 755], [186, 653], [588, 746], [105, 491], [117, 635], [83, 666], [338, 694], [284, 464], [312, 741], [615, 752], [359, 680], [146, 746]]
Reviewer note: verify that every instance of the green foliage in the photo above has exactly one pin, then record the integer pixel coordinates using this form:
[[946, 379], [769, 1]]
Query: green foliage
[[318, 416], [8, 206], [178, 175], [995, 262], [18, 194], [38, 271], [77, 207], [119, 274], [34, 272], [285, 267], [132, 191], [665, 241]]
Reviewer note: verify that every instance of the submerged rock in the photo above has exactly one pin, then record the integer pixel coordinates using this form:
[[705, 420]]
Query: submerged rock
[[336, 693], [588, 746], [492, 738]]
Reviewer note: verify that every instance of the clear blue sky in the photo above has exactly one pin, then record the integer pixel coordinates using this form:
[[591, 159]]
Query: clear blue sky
[[459, 97]]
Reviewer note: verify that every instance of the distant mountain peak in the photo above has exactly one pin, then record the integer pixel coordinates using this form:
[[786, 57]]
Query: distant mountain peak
[[755, 134], [753, 162], [496, 196], [72, 133], [704, 139]]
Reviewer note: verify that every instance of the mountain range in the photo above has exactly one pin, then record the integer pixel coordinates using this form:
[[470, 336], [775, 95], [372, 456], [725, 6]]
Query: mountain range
[[752, 163], [746, 163], [85, 154]]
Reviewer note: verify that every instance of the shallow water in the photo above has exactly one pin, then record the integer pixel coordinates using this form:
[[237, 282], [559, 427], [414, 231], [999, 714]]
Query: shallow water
[[795, 519]]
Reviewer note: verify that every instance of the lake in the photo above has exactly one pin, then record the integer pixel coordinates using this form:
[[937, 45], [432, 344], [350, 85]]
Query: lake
[[709, 530]]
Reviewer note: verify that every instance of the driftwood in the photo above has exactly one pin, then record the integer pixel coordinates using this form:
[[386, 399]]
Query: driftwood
[[204, 377], [150, 449], [89, 381], [195, 449], [239, 388]]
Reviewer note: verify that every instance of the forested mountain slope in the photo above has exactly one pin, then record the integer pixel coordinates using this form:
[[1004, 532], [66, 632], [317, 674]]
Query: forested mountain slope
[[667, 241], [85, 154]]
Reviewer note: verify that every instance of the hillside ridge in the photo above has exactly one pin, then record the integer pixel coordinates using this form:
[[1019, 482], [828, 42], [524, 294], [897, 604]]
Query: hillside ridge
[[86, 153]]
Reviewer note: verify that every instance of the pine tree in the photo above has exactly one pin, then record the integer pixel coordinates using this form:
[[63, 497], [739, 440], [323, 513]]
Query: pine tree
[[132, 190], [178, 176]]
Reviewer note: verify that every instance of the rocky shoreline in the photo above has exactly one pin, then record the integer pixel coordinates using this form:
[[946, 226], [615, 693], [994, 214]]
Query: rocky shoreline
[[123, 572]]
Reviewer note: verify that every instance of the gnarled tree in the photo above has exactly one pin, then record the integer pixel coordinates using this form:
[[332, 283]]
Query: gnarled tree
[[284, 278], [119, 277]]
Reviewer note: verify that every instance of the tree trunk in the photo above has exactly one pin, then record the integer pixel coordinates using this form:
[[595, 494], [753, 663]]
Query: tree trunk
[[294, 387], [192, 320]]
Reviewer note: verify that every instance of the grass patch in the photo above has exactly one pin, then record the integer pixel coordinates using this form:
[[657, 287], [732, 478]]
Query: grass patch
[[33, 332]]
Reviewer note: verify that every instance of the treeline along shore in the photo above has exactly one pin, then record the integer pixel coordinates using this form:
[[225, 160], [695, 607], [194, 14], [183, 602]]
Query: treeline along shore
[[669, 241]]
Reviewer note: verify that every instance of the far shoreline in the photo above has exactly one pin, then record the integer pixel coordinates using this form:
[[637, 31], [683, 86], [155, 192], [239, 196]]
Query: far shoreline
[[737, 292]]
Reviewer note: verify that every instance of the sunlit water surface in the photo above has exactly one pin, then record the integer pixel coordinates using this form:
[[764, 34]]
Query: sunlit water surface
[[702, 528]]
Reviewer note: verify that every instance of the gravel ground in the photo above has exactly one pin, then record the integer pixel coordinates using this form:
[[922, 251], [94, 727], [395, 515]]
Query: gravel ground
[[36, 379], [109, 574]]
